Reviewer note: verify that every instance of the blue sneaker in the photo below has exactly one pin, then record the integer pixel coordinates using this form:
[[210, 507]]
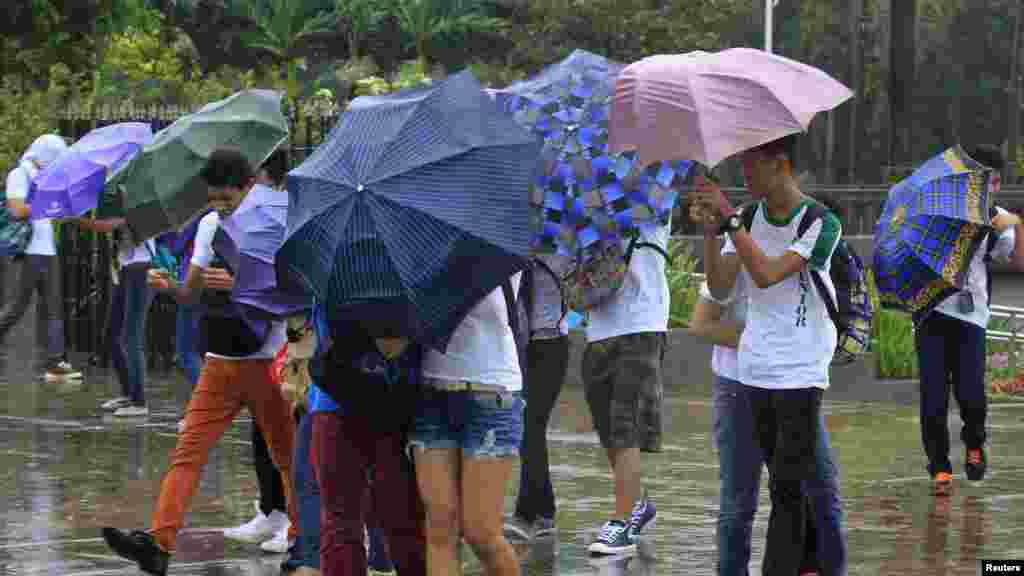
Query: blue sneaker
[[613, 539], [642, 517]]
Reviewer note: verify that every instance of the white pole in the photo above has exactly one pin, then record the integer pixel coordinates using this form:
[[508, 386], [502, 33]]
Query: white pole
[[768, 6]]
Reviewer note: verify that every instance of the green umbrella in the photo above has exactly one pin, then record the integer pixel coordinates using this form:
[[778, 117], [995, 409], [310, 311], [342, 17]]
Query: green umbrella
[[161, 189]]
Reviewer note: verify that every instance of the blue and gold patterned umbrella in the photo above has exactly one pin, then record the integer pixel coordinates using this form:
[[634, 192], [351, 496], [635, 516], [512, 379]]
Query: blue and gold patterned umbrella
[[932, 224], [584, 194]]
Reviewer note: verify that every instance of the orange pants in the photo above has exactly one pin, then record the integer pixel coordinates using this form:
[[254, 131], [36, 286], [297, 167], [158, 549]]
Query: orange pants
[[224, 388]]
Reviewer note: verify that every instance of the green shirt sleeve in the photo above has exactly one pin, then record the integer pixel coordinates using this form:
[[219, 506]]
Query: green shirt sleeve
[[828, 239]]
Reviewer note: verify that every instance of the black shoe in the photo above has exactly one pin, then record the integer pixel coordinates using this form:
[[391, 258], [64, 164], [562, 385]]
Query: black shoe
[[139, 547], [975, 464]]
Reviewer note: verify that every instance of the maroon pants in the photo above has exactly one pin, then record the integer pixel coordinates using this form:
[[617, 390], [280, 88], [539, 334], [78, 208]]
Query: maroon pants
[[344, 449]]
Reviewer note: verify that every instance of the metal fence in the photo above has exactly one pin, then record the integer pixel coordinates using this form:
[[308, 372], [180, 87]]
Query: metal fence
[[86, 257]]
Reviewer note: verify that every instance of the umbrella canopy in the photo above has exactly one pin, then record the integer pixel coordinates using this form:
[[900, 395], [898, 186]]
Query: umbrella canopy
[[932, 225], [413, 209], [161, 188], [708, 106], [71, 186], [584, 193], [247, 241]]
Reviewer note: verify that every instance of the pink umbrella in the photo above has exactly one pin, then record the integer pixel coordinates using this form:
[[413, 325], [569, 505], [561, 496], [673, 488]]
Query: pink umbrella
[[708, 106]]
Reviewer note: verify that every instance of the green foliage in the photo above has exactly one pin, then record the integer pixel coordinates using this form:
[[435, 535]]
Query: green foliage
[[440, 27], [408, 77], [683, 286], [25, 113], [624, 30]]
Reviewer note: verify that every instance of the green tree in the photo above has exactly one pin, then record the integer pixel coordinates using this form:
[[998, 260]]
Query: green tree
[[280, 28], [359, 18], [431, 23]]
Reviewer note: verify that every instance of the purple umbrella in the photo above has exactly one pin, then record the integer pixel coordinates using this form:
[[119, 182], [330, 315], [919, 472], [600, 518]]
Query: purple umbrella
[[248, 241], [71, 185]]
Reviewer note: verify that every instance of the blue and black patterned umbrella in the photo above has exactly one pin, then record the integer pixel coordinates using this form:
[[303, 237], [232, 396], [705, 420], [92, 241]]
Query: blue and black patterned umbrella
[[413, 209], [583, 193], [932, 225]]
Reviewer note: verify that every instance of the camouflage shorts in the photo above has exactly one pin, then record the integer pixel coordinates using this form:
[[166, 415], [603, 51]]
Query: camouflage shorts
[[623, 382]]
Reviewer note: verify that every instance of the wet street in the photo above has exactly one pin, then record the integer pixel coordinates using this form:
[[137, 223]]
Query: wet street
[[66, 470]]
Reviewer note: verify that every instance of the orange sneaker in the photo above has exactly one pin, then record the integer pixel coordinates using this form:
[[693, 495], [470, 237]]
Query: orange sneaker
[[975, 464], [943, 484]]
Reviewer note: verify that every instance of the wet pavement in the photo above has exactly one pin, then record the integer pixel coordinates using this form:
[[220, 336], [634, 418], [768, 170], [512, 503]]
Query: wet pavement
[[66, 470]]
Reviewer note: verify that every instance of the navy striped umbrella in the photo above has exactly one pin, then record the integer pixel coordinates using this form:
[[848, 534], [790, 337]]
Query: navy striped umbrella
[[414, 208]]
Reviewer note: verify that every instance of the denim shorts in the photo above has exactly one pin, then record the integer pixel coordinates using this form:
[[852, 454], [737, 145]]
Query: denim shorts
[[481, 424]]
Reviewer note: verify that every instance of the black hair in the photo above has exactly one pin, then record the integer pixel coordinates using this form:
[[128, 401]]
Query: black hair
[[227, 166], [787, 145], [988, 155], [276, 166]]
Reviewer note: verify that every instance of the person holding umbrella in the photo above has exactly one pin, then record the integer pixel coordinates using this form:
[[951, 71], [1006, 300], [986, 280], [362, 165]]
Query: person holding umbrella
[[40, 269], [270, 526], [950, 344], [237, 373], [788, 340], [129, 308]]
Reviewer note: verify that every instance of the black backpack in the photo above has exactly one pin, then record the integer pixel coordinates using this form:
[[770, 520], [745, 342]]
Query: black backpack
[[852, 311], [520, 309]]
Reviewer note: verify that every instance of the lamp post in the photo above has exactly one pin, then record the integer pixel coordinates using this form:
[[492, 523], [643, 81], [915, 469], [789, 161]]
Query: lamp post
[[769, 5]]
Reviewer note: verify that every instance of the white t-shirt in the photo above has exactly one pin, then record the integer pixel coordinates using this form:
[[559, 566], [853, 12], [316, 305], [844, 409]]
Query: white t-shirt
[[19, 183], [725, 360], [546, 320], [789, 339], [482, 350], [136, 254], [642, 305], [202, 255], [977, 280]]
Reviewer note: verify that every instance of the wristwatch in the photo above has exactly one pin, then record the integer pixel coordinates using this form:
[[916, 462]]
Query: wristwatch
[[731, 224]]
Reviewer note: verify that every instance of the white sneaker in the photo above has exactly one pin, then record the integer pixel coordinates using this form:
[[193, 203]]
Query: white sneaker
[[254, 531], [62, 371], [131, 411], [115, 403], [280, 543]]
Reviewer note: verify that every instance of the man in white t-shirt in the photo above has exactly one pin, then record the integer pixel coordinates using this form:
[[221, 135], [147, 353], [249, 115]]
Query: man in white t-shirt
[[236, 374], [950, 345], [623, 386], [40, 268], [789, 339], [739, 453]]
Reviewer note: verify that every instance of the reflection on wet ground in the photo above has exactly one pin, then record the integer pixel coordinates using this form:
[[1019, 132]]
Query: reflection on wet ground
[[66, 470]]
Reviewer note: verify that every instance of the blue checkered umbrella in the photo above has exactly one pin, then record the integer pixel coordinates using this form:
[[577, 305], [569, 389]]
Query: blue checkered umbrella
[[413, 209], [584, 194], [931, 227]]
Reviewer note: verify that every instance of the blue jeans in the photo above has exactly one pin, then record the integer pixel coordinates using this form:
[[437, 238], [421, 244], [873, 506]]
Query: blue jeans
[[740, 462], [128, 311], [481, 424], [185, 341], [306, 551]]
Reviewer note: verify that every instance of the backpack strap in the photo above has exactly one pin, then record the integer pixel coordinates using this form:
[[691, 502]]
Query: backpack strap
[[634, 244], [510, 306], [990, 245], [816, 211], [558, 282]]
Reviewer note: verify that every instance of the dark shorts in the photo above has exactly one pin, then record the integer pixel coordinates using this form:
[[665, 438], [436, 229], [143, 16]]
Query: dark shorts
[[622, 377]]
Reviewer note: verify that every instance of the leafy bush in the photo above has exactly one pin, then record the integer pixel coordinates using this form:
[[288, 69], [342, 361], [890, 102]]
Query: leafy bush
[[683, 286]]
